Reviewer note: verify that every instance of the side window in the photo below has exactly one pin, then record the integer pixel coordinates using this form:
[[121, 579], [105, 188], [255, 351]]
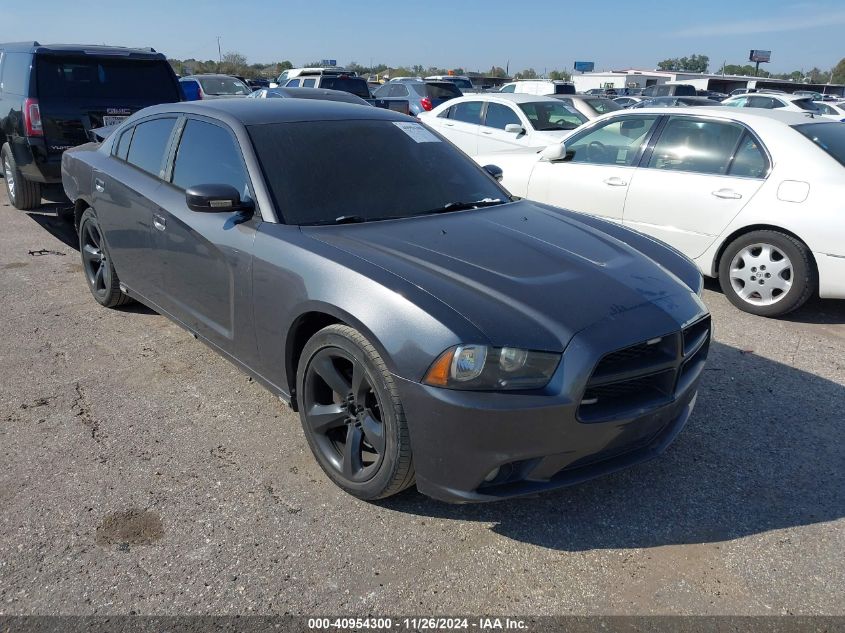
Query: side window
[[749, 160], [382, 91], [468, 112], [737, 103], [761, 102], [121, 149], [293, 83], [446, 114], [397, 90], [614, 142], [693, 145], [15, 79], [149, 144], [192, 166], [498, 116], [509, 88], [308, 83]]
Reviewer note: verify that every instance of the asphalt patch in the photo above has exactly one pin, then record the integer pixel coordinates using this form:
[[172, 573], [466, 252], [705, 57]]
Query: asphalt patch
[[132, 527]]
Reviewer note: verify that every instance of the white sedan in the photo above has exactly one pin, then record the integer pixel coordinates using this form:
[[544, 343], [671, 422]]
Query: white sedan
[[772, 101], [754, 197], [835, 111], [484, 123]]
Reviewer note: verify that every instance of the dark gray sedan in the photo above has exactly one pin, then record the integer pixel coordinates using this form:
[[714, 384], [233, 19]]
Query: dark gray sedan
[[427, 327]]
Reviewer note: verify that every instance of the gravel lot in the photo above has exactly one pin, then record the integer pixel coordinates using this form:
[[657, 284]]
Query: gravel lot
[[142, 473]]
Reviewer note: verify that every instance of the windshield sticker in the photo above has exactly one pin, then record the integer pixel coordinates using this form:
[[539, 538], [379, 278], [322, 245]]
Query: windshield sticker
[[417, 132]]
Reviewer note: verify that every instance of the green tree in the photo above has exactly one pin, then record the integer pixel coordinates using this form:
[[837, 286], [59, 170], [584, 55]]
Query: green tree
[[528, 73], [497, 71], [818, 76], [563, 75], [692, 64], [838, 75]]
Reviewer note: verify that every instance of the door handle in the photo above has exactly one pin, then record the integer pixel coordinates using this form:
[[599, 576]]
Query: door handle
[[449, 124], [486, 132], [727, 194], [99, 185], [159, 222], [615, 181]]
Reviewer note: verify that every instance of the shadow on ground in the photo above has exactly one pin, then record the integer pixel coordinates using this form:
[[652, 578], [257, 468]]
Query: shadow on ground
[[48, 217], [819, 311], [762, 452]]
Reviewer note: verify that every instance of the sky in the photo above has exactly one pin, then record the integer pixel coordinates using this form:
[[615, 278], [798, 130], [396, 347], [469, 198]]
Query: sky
[[471, 34]]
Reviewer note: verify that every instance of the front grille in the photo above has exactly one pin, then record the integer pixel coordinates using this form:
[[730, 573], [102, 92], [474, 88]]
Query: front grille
[[645, 376]]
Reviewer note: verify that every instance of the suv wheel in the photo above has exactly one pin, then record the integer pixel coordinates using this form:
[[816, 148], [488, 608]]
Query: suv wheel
[[23, 194], [767, 273]]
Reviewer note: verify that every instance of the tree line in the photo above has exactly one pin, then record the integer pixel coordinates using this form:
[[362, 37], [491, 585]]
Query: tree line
[[234, 63], [701, 63]]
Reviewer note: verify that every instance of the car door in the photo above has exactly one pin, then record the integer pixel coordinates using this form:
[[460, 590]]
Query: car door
[[492, 136], [207, 256], [125, 198], [600, 164], [698, 177], [461, 124]]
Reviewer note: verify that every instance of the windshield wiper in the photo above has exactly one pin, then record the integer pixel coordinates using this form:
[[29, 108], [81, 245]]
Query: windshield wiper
[[349, 219], [463, 206]]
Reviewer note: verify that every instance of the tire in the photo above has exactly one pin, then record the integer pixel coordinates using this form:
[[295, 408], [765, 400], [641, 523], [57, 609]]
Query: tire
[[97, 264], [767, 273], [359, 439], [23, 194]]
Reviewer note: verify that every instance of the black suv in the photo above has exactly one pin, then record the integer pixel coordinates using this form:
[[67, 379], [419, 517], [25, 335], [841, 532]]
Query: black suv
[[52, 96]]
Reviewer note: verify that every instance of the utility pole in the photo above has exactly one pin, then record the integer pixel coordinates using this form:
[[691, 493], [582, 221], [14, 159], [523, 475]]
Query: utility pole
[[219, 51]]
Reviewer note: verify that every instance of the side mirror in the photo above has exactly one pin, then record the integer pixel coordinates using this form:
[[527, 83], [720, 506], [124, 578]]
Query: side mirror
[[553, 153], [494, 171], [514, 128], [215, 198]]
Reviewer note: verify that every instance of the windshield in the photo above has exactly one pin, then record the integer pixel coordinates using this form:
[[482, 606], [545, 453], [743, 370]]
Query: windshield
[[319, 171], [224, 86], [442, 90], [354, 85], [602, 106], [806, 104], [105, 78], [829, 136], [552, 115]]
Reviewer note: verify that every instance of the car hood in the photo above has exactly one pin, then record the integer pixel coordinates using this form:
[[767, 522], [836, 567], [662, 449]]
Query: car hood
[[525, 274]]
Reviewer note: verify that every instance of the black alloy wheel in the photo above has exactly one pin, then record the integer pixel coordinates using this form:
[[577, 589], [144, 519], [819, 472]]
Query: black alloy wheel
[[352, 416]]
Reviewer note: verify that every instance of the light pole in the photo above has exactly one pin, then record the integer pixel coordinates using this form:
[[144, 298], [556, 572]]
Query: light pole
[[219, 51]]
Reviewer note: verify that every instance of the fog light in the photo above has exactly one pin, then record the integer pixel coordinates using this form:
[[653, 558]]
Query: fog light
[[492, 475]]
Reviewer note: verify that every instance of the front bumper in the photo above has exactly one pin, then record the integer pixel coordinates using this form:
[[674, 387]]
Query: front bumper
[[540, 441]]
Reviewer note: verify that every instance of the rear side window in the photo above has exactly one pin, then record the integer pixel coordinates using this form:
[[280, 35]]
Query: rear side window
[[749, 160], [149, 144], [150, 81], [509, 88], [355, 85], [828, 136], [15, 77], [122, 148], [293, 83], [397, 90], [691, 145], [468, 112], [192, 167], [443, 90], [308, 83]]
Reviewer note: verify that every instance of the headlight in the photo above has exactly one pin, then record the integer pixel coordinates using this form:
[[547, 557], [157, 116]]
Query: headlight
[[483, 368]]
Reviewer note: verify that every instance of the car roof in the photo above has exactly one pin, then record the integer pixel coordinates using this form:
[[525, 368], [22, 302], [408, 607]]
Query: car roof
[[742, 115], [317, 93], [211, 75], [261, 111], [83, 49], [513, 97]]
